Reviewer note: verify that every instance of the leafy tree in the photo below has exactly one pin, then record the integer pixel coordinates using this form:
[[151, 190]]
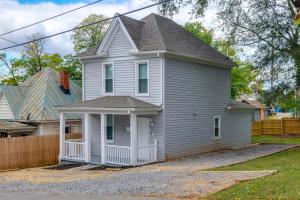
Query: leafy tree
[[267, 26], [243, 76], [13, 76], [198, 30], [89, 36], [283, 96]]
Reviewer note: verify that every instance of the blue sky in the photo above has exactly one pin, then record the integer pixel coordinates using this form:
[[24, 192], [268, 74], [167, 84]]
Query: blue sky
[[54, 1]]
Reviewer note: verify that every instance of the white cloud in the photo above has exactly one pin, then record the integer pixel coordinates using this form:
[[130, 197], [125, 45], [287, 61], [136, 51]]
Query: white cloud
[[14, 15]]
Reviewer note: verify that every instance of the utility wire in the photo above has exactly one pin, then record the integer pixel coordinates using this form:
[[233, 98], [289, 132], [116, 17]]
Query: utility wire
[[47, 19], [80, 27]]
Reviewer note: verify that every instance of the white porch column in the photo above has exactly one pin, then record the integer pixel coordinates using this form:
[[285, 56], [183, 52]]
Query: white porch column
[[133, 138], [87, 144], [61, 136], [103, 157]]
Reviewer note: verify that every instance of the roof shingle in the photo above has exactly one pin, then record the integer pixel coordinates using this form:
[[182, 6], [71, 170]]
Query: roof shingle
[[155, 32]]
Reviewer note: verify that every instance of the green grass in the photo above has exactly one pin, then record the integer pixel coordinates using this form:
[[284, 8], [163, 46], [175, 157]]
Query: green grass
[[276, 139], [283, 185]]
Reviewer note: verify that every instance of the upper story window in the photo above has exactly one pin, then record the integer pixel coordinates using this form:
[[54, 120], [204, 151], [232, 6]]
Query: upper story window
[[217, 127], [142, 78], [108, 78]]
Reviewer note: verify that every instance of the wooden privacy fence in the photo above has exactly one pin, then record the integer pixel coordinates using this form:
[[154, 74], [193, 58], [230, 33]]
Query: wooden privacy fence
[[276, 126], [30, 151]]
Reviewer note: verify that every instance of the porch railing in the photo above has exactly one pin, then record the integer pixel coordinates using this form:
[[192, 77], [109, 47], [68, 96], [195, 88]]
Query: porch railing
[[119, 155], [74, 149], [147, 153]]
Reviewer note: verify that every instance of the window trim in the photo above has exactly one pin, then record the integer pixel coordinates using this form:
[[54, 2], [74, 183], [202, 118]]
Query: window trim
[[112, 141], [104, 78], [137, 78], [219, 124]]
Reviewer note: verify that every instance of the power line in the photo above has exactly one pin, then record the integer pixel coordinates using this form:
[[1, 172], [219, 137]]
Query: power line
[[80, 27], [47, 19]]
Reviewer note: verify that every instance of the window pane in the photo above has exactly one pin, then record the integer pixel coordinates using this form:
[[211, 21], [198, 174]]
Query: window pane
[[109, 120], [216, 132], [143, 86], [216, 122], [108, 85], [109, 132], [108, 71], [143, 72]]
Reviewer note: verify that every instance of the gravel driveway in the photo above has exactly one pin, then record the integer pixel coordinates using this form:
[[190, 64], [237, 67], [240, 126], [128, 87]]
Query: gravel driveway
[[179, 178]]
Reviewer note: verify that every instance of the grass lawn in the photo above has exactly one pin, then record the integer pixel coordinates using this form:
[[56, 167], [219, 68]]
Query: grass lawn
[[276, 139], [284, 185]]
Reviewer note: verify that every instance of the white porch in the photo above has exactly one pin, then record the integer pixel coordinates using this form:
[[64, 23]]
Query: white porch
[[138, 150]]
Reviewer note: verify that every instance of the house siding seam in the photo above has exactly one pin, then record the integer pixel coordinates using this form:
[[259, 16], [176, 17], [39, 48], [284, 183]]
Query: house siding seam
[[194, 94]]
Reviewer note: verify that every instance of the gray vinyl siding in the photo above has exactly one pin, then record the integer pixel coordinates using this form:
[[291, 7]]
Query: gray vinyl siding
[[122, 137], [95, 134], [158, 134], [194, 94], [120, 44], [92, 80], [124, 79]]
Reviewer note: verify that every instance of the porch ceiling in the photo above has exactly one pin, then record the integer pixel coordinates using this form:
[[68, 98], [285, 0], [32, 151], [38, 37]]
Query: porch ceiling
[[111, 103]]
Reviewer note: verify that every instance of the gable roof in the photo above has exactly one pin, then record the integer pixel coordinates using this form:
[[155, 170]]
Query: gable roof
[[39, 95], [155, 32]]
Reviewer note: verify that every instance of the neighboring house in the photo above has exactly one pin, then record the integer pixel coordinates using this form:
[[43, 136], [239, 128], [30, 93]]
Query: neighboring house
[[30, 107], [151, 92], [260, 109]]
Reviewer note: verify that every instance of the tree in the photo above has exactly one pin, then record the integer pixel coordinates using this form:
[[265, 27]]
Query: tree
[[198, 30], [13, 76], [267, 26], [283, 96], [89, 36], [243, 76]]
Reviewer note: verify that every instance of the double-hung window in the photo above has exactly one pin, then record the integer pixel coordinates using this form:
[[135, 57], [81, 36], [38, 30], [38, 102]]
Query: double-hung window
[[110, 128], [108, 78], [142, 78], [217, 127]]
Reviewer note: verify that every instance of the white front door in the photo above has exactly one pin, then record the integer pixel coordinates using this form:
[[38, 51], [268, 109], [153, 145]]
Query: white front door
[[143, 131]]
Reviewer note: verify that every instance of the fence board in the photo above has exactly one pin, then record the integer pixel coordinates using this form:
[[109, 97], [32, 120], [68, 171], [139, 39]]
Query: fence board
[[276, 126], [30, 151]]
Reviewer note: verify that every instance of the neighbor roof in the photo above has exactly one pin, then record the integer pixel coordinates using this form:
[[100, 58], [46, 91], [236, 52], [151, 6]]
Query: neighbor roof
[[238, 105], [114, 102], [254, 103], [12, 127], [38, 96], [155, 32]]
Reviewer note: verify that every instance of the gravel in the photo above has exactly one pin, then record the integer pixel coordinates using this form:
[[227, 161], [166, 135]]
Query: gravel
[[180, 178]]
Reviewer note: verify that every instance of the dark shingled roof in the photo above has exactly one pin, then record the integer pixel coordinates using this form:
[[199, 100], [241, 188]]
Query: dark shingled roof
[[113, 102], [238, 105], [155, 32]]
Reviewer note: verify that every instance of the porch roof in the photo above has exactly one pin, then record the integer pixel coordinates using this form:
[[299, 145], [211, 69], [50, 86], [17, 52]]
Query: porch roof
[[107, 103]]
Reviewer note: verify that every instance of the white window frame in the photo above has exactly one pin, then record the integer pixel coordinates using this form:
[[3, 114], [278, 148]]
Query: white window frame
[[137, 78], [112, 141], [104, 78], [220, 119]]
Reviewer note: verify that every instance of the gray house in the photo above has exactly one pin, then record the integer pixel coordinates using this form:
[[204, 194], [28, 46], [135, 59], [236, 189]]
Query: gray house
[[151, 92]]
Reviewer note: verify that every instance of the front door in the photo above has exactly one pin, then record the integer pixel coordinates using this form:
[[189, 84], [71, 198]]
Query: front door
[[143, 131]]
